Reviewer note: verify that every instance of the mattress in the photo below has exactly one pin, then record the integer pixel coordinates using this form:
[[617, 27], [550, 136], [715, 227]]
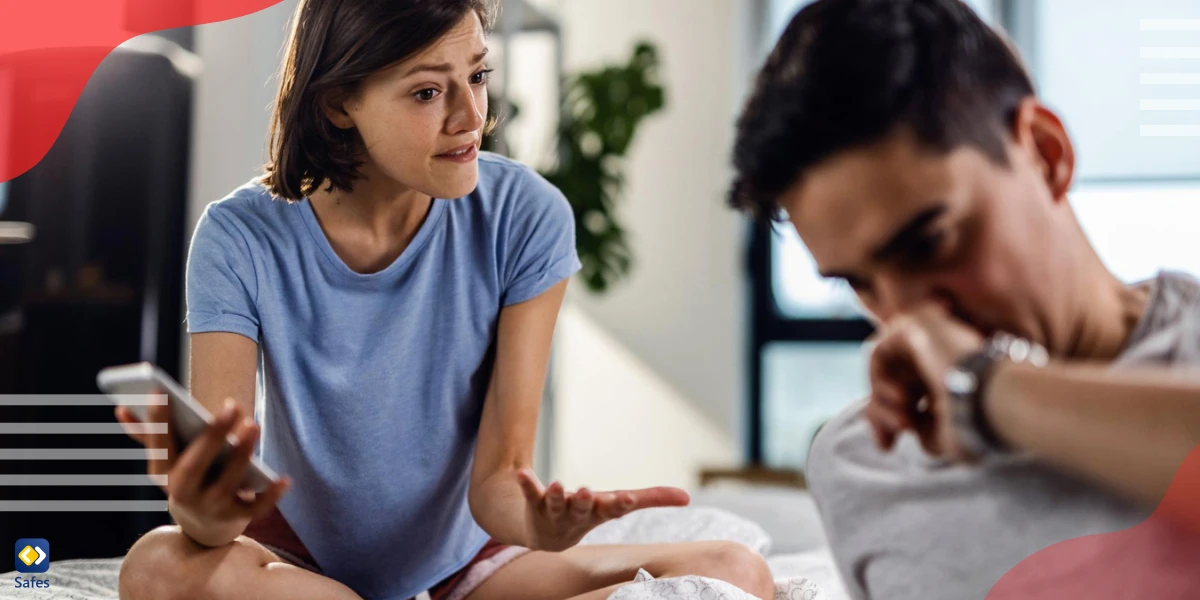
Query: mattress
[[804, 576]]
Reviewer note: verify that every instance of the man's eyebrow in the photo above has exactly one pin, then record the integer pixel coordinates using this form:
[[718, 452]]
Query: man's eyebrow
[[836, 275], [903, 238], [909, 233], [441, 68]]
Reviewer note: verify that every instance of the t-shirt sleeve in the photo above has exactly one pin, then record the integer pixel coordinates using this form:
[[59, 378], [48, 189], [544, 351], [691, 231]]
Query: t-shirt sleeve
[[221, 284], [541, 241]]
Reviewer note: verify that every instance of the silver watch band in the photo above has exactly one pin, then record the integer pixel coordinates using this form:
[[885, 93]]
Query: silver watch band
[[966, 382]]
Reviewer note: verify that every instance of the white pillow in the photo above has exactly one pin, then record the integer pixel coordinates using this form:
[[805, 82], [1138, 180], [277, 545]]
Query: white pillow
[[685, 524]]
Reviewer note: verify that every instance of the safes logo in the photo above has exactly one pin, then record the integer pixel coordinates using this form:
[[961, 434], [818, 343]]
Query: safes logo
[[33, 555]]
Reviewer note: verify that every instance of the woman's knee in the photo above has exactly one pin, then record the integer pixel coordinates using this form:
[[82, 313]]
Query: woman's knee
[[151, 567], [166, 564], [736, 564]]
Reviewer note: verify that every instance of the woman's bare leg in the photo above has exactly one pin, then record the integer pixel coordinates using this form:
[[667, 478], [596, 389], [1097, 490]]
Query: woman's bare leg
[[165, 564], [594, 572]]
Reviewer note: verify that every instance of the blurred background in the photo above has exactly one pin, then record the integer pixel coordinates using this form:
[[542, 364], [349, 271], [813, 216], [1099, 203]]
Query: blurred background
[[696, 348]]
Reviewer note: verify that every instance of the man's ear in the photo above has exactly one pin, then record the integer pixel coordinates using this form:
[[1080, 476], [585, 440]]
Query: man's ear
[[334, 105], [1042, 134]]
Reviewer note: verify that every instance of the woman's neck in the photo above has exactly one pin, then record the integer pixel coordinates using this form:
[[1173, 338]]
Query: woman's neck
[[370, 227]]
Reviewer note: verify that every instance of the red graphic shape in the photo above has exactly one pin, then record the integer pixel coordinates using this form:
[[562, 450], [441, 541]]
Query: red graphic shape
[[1158, 559], [50, 48]]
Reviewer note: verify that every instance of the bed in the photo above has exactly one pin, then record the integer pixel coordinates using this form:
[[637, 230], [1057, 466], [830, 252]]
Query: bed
[[780, 523]]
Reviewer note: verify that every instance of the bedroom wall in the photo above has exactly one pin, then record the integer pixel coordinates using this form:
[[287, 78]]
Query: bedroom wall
[[672, 337]]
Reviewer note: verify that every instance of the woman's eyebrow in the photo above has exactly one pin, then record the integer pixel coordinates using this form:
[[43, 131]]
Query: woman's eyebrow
[[441, 68]]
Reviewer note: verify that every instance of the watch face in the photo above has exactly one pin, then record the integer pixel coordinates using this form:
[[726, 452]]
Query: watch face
[[960, 382]]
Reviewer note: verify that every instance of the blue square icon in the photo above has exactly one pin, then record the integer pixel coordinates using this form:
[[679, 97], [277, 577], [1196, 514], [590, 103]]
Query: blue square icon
[[32, 555]]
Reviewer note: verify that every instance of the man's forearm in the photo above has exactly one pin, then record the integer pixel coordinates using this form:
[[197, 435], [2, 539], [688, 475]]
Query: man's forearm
[[1127, 429], [499, 507]]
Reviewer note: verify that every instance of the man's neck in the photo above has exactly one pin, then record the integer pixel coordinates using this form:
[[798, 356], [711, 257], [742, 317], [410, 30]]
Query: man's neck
[[1112, 312]]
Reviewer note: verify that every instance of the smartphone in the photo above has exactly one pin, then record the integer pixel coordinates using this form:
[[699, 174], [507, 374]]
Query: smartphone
[[189, 418]]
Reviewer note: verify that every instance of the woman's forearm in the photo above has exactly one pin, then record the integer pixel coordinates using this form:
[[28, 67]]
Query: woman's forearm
[[1127, 429]]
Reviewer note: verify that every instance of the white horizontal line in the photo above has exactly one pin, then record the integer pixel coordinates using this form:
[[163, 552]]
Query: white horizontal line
[[1171, 52], [1170, 24], [81, 428], [83, 505], [1170, 130], [1170, 78], [83, 480], [83, 454], [1171, 104], [82, 399]]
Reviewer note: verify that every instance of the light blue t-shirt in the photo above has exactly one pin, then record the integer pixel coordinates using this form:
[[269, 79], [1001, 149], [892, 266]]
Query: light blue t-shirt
[[371, 386]]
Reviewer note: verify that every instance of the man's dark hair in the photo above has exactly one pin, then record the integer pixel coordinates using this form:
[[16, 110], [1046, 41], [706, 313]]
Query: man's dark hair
[[847, 73], [334, 45]]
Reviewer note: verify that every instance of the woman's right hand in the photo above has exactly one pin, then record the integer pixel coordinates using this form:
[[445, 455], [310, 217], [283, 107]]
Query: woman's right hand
[[217, 513]]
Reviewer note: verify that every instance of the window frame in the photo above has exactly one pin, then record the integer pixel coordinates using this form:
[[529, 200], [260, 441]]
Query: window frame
[[768, 325]]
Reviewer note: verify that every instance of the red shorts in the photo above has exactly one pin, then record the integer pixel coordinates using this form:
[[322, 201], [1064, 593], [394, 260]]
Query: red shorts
[[273, 532]]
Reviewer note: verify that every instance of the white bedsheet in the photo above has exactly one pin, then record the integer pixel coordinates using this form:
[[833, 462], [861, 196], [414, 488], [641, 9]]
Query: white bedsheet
[[809, 575], [69, 580], [816, 566]]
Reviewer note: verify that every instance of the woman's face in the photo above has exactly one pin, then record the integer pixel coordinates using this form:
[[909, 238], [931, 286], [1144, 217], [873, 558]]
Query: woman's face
[[422, 120]]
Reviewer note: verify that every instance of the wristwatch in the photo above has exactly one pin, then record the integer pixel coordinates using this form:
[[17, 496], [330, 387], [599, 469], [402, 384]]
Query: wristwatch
[[967, 380]]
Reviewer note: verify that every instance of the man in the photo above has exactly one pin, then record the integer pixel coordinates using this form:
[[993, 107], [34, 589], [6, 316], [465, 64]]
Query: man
[[905, 142]]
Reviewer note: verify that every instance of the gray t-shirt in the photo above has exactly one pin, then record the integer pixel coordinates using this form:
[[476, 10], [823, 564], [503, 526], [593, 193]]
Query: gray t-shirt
[[904, 525]]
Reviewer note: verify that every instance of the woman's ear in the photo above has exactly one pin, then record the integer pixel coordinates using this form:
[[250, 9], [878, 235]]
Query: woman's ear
[[1044, 136], [334, 105]]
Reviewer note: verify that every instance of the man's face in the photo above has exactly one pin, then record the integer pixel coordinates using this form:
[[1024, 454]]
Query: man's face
[[906, 226]]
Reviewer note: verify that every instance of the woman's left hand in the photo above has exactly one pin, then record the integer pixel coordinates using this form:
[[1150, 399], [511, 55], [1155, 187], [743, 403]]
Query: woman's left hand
[[558, 520]]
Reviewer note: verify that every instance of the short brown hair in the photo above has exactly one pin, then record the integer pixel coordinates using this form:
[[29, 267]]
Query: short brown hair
[[333, 46], [848, 73]]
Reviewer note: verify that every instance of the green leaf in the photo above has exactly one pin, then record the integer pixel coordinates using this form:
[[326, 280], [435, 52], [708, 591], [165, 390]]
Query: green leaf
[[602, 111]]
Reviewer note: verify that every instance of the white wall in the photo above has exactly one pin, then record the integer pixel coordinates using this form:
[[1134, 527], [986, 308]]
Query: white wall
[[233, 98], [681, 314], [619, 423]]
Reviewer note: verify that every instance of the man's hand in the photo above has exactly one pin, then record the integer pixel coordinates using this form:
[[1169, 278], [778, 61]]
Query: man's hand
[[911, 356], [557, 520]]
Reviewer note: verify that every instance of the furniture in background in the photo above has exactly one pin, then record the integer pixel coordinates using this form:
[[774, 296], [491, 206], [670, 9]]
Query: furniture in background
[[518, 18], [755, 475], [100, 284]]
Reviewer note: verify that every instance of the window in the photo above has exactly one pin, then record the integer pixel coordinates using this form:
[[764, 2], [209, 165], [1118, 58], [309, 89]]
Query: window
[[1140, 229], [1106, 95], [1132, 104]]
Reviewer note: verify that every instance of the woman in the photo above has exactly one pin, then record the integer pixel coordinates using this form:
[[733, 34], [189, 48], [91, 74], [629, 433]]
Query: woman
[[400, 341]]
